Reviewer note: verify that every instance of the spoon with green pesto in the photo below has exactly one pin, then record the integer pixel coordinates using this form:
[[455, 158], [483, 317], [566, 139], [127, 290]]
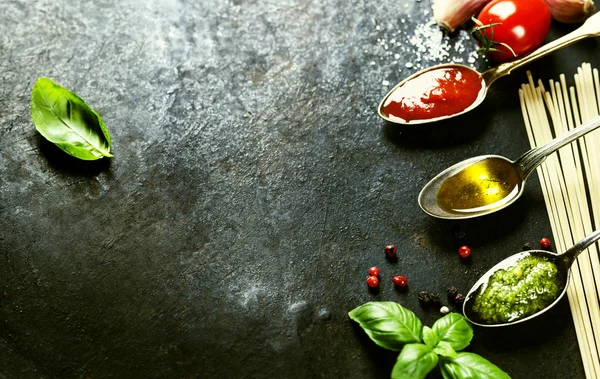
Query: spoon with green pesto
[[522, 286]]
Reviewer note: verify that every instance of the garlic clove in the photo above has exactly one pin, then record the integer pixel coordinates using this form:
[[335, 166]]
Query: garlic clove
[[450, 14], [570, 11]]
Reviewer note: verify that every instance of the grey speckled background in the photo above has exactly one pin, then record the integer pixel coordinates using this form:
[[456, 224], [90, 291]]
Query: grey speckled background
[[252, 186]]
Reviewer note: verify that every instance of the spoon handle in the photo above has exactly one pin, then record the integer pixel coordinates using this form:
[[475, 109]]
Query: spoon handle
[[534, 157], [571, 254], [590, 28]]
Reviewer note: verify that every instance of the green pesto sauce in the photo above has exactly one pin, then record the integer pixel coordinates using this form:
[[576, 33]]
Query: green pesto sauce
[[519, 291]]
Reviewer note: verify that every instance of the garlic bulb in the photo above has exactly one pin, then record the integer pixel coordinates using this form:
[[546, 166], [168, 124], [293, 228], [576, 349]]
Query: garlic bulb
[[450, 14], [570, 11]]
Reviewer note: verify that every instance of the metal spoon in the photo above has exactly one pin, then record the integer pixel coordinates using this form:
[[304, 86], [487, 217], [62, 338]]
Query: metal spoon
[[563, 263], [522, 167], [591, 28]]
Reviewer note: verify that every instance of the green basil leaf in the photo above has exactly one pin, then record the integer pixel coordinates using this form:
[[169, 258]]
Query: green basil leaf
[[470, 366], [430, 337], [454, 329], [64, 119], [388, 324], [445, 350], [414, 362]]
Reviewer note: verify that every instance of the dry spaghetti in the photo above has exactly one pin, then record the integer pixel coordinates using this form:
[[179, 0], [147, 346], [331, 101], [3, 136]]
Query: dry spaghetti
[[570, 182]]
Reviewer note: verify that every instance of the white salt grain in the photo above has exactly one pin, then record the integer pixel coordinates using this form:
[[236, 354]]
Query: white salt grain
[[403, 47]]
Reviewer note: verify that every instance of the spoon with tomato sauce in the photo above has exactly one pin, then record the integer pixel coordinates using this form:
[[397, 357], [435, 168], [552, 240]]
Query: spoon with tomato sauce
[[448, 90]]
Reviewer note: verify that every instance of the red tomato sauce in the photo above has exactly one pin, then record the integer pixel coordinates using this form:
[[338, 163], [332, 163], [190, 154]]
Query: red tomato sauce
[[440, 92]]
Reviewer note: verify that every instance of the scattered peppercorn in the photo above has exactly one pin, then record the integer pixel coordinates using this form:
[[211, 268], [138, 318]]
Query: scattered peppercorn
[[372, 281], [545, 243], [435, 297], [424, 297], [459, 298], [459, 233], [390, 251], [374, 271], [444, 310], [464, 251], [429, 297], [400, 281], [452, 291], [526, 246]]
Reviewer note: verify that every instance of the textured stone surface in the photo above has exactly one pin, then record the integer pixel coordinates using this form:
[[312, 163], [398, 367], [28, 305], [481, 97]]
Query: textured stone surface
[[252, 186]]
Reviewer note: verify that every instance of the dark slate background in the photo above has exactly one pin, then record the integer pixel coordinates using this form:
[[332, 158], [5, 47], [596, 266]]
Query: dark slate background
[[252, 187]]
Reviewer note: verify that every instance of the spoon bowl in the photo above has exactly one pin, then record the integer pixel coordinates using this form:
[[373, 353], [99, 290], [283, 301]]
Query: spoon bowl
[[395, 96], [562, 261], [590, 28], [430, 204], [481, 285], [485, 184]]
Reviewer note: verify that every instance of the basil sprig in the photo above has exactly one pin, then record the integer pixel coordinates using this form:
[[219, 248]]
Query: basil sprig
[[421, 348], [64, 119]]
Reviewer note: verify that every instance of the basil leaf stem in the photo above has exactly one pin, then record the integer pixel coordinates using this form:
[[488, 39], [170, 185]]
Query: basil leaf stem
[[388, 324], [64, 119]]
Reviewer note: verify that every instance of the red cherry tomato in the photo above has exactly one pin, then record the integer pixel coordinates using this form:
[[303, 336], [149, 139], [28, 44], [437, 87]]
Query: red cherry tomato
[[524, 25]]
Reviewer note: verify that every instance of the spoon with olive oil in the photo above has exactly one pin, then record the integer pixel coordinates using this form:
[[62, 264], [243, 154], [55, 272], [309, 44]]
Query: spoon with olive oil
[[522, 286], [488, 183]]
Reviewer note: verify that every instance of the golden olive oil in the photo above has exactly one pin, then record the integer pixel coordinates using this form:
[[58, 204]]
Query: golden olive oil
[[483, 185]]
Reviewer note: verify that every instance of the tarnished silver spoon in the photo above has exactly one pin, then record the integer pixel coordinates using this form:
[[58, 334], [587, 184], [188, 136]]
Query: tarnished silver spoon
[[563, 264], [591, 28], [485, 184]]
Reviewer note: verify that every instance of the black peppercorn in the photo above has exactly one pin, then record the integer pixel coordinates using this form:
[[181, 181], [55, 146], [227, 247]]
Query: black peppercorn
[[526, 246], [424, 297], [459, 298], [459, 233], [435, 297], [452, 291]]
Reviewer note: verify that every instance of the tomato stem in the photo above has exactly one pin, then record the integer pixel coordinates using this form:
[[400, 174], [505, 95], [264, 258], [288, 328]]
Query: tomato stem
[[486, 42]]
